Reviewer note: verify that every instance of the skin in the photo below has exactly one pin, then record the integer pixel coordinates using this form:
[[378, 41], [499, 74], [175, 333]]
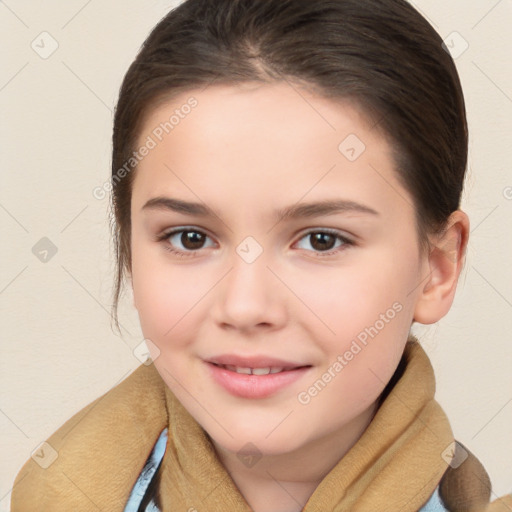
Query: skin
[[244, 152]]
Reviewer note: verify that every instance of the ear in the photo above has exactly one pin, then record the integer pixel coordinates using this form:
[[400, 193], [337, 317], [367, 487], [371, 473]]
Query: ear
[[442, 266]]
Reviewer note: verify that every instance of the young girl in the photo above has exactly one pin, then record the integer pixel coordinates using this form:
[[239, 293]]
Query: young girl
[[286, 182]]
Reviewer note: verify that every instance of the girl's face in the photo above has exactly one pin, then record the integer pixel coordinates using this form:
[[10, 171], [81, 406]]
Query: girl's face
[[270, 231]]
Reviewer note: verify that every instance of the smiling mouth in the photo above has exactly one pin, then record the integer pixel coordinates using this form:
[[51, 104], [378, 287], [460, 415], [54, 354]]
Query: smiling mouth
[[258, 371], [250, 379]]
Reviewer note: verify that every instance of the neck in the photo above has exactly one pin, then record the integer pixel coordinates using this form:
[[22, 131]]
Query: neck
[[284, 482]]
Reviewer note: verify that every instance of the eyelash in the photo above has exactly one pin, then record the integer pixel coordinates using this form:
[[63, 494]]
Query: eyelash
[[164, 238]]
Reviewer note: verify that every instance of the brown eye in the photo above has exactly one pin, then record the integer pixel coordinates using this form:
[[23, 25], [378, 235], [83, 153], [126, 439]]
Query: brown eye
[[186, 240], [322, 241], [192, 239]]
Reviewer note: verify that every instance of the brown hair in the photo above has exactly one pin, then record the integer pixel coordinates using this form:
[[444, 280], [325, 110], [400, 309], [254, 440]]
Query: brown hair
[[381, 54]]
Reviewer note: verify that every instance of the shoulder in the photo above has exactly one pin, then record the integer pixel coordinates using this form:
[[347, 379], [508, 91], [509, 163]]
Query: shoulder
[[99, 452]]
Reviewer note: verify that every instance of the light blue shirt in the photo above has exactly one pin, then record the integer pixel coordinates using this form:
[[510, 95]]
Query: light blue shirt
[[146, 477]]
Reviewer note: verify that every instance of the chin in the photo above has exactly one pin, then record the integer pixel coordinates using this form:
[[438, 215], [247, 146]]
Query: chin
[[258, 440]]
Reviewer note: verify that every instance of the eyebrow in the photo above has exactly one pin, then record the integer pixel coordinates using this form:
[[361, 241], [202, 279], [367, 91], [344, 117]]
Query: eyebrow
[[296, 211]]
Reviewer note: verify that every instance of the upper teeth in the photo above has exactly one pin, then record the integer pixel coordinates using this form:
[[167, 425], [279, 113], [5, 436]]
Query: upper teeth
[[254, 371]]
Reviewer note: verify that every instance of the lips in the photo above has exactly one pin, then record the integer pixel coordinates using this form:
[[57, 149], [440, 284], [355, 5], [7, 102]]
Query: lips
[[254, 377]]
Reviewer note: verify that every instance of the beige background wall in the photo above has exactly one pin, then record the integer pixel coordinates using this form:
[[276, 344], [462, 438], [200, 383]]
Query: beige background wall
[[58, 352]]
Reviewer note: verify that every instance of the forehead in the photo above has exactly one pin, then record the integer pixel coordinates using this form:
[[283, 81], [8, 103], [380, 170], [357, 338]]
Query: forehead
[[241, 108], [257, 142]]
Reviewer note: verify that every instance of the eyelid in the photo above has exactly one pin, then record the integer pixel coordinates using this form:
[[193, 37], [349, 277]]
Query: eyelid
[[347, 241], [164, 235], [330, 231], [183, 227]]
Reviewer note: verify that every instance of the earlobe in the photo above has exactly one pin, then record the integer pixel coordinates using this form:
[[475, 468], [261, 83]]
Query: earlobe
[[442, 269]]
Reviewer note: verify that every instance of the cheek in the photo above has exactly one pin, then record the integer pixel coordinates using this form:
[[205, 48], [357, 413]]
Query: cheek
[[169, 298], [368, 309], [354, 296], [160, 296]]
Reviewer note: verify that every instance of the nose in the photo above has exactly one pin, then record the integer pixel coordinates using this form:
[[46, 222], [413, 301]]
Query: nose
[[250, 297]]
